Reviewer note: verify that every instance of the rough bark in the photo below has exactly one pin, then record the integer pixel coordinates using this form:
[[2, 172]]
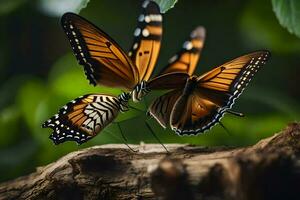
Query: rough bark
[[267, 170]]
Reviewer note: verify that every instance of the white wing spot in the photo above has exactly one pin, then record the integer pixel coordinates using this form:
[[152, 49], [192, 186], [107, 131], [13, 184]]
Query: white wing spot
[[188, 45], [147, 19], [141, 18], [145, 4], [137, 32], [173, 58], [146, 32], [157, 18], [135, 46]]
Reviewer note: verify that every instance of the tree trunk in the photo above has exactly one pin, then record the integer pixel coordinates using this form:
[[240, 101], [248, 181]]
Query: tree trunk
[[269, 169]]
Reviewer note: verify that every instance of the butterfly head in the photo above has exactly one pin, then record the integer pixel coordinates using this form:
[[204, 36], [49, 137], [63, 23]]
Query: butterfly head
[[140, 91], [124, 98]]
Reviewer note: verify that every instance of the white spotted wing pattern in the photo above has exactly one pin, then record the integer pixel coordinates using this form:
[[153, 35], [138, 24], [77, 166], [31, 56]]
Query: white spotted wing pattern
[[199, 103], [83, 118], [205, 99]]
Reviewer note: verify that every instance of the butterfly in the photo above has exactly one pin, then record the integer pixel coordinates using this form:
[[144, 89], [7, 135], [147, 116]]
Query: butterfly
[[105, 63], [201, 101]]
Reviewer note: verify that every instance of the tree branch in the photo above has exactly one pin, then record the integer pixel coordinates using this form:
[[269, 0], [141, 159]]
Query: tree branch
[[266, 170]]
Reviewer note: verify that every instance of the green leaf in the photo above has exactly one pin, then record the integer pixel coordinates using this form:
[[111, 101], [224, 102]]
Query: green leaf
[[288, 14], [165, 5], [58, 7], [259, 28]]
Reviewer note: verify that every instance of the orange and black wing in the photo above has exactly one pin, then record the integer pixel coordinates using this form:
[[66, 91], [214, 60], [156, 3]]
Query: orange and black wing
[[182, 65], [187, 58], [104, 62], [145, 49], [83, 118], [200, 108], [162, 106]]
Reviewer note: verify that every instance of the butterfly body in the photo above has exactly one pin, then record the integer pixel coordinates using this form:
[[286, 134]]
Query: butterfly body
[[123, 101], [190, 85], [140, 91]]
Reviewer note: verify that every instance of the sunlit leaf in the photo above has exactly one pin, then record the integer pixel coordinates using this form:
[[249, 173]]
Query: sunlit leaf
[[165, 5], [260, 29], [288, 14], [58, 7]]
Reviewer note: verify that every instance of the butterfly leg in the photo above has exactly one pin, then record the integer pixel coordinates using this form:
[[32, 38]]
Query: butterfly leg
[[227, 131], [125, 139], [235, 113], [155, 136]]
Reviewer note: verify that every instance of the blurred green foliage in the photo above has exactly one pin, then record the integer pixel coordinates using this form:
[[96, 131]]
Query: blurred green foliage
[[287, 12], [39, 74]]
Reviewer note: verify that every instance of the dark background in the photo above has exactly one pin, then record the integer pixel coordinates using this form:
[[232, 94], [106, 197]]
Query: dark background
[[39, 74]]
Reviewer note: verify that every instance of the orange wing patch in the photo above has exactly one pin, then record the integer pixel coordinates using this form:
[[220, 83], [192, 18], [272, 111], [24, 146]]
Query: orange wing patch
[[234, 75], [147, 41], [187, 58], [104, 62]]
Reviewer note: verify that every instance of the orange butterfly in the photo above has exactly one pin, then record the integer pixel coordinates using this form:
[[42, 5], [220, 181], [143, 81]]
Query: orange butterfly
[[105, 63], [199, 103]]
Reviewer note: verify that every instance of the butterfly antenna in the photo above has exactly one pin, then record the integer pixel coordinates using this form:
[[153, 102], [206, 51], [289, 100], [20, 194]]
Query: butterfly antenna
[[125, 139], [153, 134], [227, 131], [235, 113]]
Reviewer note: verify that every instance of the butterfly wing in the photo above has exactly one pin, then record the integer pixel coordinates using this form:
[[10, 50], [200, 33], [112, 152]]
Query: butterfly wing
[[187, 58], [162, 106], [83, 118], [104, 62], [175, 74], [148, 34], [200, 108], [182, 65]]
